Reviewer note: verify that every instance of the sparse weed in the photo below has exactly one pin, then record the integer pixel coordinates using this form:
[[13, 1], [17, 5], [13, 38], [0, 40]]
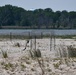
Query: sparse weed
[[2, 63], [71, 51], [32, 69], [17, 45], [56, 65], [48, 69], [28, 62], [35, 53], [8, 66], [67, 61], [4, 54], [23, 66], [31, 54]]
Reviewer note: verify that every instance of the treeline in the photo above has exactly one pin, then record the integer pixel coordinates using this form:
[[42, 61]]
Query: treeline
[[13, 16]]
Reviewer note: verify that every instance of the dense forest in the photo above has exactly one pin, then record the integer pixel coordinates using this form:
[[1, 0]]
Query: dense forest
[[17, 17]]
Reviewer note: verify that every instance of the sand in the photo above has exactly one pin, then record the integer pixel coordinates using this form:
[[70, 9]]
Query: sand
[[19, 61]]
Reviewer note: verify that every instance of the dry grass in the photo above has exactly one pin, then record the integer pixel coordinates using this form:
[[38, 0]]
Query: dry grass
[[35, 53], [4, 54], [71, 51]]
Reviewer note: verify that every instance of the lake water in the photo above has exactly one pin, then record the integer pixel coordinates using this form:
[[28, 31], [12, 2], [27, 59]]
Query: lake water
[[37, 31]]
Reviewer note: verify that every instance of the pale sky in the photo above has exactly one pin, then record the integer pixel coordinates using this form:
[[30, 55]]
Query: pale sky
[[69, 5]]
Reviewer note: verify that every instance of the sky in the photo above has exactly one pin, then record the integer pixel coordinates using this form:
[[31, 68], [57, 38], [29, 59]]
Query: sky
[[55, 5]]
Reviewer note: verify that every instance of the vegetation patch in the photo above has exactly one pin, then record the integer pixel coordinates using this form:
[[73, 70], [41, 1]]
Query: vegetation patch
[[71, 51], [35, 53], [66, 36], [8, 66], [4, 54], [17, 44]]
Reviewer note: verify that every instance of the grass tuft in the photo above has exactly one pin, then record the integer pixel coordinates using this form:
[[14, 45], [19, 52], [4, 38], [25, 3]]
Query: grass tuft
[[17, 45], [4, 54], [35, 53], [71, 51], [8, 66]]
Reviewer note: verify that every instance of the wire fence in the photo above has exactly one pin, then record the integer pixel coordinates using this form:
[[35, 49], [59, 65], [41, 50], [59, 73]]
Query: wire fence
[[32, 37], [37, 40]]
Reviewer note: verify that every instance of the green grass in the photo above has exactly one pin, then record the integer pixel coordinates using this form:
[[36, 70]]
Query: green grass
[[66, 36], [14, 37]]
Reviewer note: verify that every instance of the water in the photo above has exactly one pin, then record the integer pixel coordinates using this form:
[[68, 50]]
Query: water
[[37, 31]]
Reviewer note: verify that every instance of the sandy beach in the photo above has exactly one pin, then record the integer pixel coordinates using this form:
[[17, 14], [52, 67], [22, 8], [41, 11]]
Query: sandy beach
[[20, 62]]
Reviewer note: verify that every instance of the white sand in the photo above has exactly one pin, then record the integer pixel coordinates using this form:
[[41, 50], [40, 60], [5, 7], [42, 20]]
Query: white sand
[[23, 64]]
